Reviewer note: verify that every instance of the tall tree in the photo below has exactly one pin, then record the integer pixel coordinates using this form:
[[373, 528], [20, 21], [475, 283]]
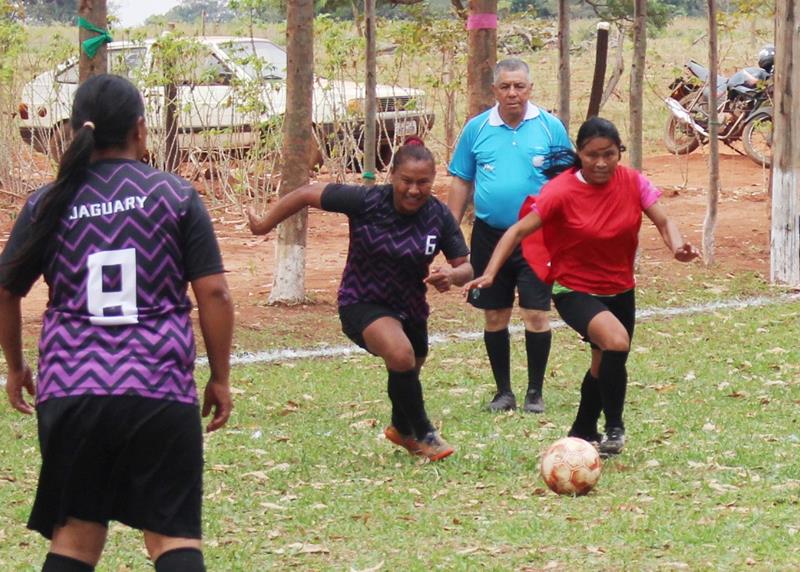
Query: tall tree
[[785, 237], [370, 87], [289, 283], [563, 62], [636, 108], [710, 222], [94, 61], [482, 31]]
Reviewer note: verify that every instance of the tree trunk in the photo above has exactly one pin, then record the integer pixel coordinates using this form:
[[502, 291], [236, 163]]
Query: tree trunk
[[289, 284], [710, 222], [482, 31], [370, 102], [95, 12], [637, 82], [619, 67], [563, 62], [450, 103], [785, 230]]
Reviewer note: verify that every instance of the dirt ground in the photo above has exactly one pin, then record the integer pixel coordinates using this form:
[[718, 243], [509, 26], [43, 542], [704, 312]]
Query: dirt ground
[[742, 244]]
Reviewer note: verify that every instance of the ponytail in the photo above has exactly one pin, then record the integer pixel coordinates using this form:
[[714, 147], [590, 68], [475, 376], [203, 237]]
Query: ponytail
[[104, 112], [559, 160]]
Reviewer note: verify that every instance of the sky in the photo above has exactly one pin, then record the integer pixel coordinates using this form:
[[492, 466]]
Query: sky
[[135, 12]]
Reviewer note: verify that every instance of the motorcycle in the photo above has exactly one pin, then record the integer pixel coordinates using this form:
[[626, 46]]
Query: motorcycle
[[744, 112]]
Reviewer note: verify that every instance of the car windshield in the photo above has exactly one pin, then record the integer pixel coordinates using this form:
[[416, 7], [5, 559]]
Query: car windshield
[[259, 59]]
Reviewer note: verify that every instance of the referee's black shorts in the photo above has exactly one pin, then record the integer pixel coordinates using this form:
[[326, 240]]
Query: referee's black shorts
[[516, 273], [132, 459]]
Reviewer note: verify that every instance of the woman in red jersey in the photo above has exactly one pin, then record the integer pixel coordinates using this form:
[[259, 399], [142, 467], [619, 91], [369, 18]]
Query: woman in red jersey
[[590, 217]]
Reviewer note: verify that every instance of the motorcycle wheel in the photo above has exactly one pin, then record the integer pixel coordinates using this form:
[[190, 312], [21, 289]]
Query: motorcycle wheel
[[757, 140], [679, 137]]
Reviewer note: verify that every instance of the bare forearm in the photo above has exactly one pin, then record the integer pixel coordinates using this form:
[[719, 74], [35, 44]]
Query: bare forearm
[[308, 195], [11, 329], [505, 246], [671, 235], [215, 309], [459, 196], [462, 274]]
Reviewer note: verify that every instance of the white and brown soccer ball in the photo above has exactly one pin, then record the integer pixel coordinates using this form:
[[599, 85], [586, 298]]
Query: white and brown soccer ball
[[571, 466]]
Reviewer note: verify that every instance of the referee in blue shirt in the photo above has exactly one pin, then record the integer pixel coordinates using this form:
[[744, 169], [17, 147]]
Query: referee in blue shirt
[[500, 160]]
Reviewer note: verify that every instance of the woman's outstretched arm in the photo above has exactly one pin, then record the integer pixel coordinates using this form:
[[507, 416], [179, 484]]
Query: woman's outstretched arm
[[305, 196]]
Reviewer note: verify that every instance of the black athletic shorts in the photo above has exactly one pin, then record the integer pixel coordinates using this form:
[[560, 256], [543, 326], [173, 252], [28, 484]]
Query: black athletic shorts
[[516, 273], [356, 317], [577, 310], [132, 459]]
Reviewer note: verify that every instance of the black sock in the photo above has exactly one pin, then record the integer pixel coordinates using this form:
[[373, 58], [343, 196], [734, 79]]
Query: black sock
[[407, 390], [181, 560], [537, 348], [590, 407], [498, 348], [59, 563], [399, 419], [613, 382]]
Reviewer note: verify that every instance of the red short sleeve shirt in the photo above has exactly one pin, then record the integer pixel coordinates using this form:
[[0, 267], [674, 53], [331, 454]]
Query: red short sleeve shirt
[[589, 233]]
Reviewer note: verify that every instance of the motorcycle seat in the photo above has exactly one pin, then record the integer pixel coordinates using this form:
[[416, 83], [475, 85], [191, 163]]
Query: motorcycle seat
[[701, 73]]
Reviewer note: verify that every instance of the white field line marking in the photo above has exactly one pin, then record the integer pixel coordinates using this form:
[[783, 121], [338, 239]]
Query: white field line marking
[[435, 339], [288, 354]]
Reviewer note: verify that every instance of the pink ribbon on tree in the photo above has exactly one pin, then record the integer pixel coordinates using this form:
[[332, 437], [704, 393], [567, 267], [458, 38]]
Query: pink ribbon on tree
[[482, 21]]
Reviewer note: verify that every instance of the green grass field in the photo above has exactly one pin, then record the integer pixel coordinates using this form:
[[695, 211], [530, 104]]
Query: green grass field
[[302, 479]]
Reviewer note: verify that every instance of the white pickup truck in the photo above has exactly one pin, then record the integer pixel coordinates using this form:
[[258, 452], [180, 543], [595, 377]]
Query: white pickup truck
[[228, 89]]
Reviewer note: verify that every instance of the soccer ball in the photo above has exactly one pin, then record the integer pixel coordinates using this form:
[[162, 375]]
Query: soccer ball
[[571, 466]]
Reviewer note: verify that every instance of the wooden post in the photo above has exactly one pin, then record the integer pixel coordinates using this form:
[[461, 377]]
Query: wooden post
[[482, 32], [785, 226], [95, 12], [710, 222], [636, 109], [563, 62], [601, 55], [370, 102]]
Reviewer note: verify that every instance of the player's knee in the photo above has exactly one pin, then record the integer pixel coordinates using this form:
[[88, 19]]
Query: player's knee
[[400, 358], [536, 320], [617, 342], [497, 320]]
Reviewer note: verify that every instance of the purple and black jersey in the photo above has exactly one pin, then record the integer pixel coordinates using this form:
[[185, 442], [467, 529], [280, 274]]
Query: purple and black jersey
[[117, 320], [390, 252]]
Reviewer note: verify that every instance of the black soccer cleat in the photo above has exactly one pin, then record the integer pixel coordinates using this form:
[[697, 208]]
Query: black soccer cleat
[[613, 442], [504, 401], [533, 402]]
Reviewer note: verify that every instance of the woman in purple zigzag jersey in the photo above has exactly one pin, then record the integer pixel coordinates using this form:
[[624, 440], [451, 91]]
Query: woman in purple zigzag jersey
[[396, 230], [120, 433]]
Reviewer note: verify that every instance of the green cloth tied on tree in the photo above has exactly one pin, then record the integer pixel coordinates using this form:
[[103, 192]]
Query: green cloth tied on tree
[[91, 45]]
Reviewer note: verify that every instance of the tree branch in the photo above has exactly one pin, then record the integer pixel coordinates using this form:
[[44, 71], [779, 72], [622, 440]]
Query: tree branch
[[458, 6]]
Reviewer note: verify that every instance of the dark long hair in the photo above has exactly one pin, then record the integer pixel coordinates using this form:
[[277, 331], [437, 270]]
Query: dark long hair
[[560, 160], [105, 110]]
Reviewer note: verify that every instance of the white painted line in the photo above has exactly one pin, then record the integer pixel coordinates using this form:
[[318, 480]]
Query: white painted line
[[270, 356]]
